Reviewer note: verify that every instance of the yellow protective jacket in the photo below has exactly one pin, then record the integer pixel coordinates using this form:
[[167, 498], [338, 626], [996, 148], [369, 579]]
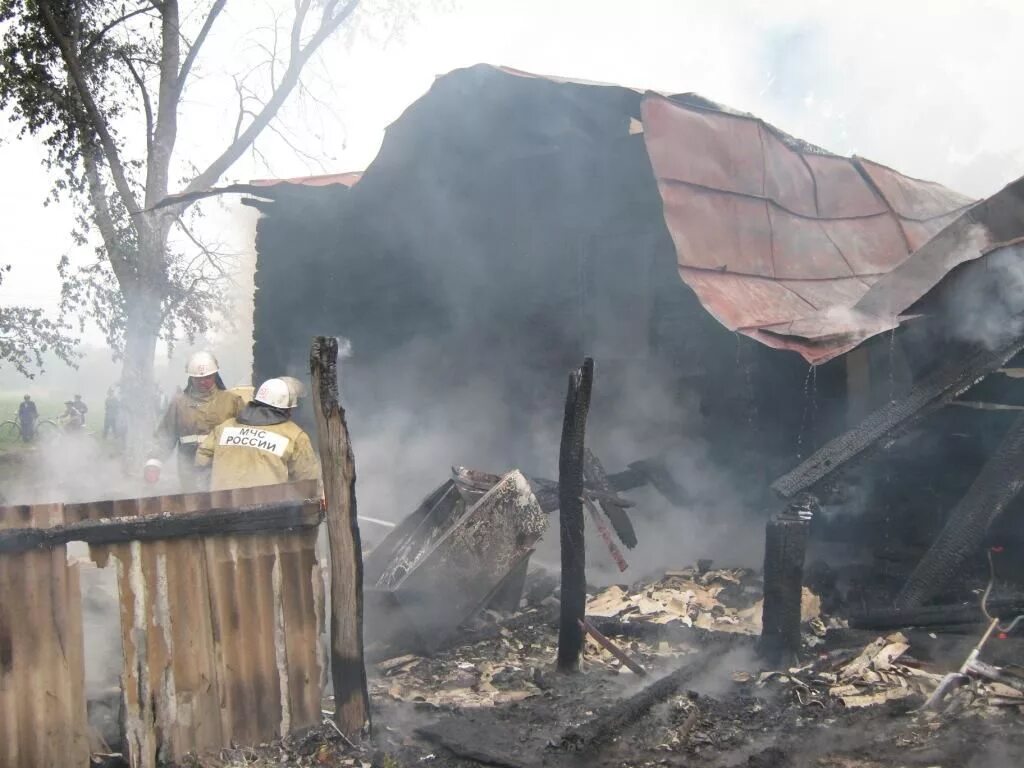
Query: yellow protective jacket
[[248, 451], [189, 418]]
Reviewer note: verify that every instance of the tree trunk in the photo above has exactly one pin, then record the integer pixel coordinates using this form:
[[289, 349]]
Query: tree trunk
[[137, 387]]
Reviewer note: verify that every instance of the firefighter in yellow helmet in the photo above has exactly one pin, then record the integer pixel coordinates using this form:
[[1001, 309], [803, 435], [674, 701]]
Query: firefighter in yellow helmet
[[190, 416], [261, 446]]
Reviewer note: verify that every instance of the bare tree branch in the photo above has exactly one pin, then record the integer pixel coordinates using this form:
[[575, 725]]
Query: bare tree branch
[[99, 123], [116, 22], [330, 21], [147, 105], [193, 51], [301, 9]]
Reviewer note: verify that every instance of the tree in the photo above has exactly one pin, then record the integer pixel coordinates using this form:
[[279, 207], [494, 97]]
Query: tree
[[101, 84], [27, 335]]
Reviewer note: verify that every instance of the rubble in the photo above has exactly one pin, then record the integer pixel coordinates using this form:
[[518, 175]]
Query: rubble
[[722, 600], [493, 697], [884, 671]]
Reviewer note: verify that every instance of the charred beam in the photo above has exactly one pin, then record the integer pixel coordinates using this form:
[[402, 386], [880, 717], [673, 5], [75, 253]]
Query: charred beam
[[606, 535], [612, 648], [655, 472], [570, 498], [348, 669], [784, 549], [998, 483], [933, 615], [256, 518], [932, 393], [595, 476], [475, 484], [626, 712]]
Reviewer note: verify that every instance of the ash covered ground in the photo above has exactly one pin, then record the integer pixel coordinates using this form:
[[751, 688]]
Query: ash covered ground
[[853, 700]]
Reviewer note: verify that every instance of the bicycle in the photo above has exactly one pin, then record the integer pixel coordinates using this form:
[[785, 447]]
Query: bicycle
[[10, 431]]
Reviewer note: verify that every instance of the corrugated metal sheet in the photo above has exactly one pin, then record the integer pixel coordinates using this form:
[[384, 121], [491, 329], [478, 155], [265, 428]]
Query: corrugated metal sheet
[[347, 179], [780, 244]]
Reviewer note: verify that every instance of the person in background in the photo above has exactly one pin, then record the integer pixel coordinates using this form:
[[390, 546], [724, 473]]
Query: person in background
[[111, 414], [261, 446], [28, 416], [72, 419], [79, 405], [189, 417]]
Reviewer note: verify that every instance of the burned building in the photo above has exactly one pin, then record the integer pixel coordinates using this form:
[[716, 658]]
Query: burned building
[[737, 287]]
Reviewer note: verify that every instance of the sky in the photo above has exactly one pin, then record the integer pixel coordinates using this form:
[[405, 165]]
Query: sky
[[925, 87]]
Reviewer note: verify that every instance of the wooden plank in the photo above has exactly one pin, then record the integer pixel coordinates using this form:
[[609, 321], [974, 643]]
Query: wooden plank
[[348, 668], [177, 619], [42, 676], [251, 518], [613, 507]]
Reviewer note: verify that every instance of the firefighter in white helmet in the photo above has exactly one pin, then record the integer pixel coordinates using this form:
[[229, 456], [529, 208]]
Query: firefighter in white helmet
[[261, 446], [190, 416], [296, 389]]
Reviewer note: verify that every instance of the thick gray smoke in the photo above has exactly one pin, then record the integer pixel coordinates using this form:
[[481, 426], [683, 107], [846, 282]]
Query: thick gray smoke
[[989, 305], [403, 453]]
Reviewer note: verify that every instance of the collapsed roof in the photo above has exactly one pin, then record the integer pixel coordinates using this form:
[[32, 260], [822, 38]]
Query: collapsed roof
[[780, 240]]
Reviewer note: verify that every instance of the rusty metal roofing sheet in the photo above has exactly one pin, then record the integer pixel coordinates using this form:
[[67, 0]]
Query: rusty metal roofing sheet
[[347, 179], [780, 244]]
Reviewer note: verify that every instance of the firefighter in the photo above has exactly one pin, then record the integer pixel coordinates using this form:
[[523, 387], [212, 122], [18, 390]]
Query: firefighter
[[261, 446], [190, 417], [296, 389]]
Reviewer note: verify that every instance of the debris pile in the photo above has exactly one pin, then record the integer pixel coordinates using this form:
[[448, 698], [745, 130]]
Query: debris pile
[[720, 600], [885, 671]]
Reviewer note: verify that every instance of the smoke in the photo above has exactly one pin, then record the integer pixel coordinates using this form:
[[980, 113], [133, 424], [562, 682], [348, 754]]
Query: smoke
[[717, 680], [988, 308], [71, 467]]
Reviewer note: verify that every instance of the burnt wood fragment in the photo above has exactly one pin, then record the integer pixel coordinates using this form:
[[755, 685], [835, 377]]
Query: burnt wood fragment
[[610, 723], [784, 549], [613, 649], [933, 392], [933, 615], [595, 476], [570, 503], [998, 483]]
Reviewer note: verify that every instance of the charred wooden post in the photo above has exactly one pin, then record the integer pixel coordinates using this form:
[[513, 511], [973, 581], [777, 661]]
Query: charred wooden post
[[998, 483], [348, 670], [570, 516], [784, 549]]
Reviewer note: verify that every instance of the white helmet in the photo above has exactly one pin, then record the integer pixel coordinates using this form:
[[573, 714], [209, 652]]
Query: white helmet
[[296, 389], [275, 393], [202, 364]]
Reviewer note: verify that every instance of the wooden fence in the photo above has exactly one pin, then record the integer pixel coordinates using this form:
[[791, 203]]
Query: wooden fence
[[220, 620]]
